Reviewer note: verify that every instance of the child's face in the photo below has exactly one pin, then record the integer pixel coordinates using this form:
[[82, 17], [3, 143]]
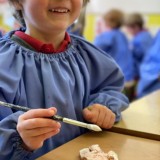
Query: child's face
[[50, 15], [133, 30]]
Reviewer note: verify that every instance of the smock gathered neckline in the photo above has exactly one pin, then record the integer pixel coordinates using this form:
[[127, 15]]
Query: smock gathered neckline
[[68, 52]]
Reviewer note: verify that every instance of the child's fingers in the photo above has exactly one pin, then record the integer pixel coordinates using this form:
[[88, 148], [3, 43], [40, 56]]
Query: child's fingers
[[38, 113], [54, 109], [91, 115], [43, 137], [101, 116], [109, 120], [37, 123], [34, 143], [106, 121], [34, 127], [87, 113], [40, 131], [40, 139], [112, 121], [49, 135]]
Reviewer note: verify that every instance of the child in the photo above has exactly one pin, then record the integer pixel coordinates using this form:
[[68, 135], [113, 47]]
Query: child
[[42, 66], [100, 26], [115, 43], [150, 70], [141, 42]]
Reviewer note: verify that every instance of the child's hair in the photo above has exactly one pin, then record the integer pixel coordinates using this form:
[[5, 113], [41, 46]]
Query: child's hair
[[114, 18], [134, 19], [18, 15]]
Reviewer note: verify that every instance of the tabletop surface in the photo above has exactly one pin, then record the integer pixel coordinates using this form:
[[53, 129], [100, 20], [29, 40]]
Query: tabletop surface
[[127, 147], [142, 118]]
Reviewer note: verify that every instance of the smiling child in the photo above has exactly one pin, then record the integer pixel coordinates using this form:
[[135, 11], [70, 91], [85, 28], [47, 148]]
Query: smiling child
[[52, 72]]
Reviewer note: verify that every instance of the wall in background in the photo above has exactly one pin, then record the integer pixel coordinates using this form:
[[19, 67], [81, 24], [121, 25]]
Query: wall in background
[[143, 6], [5, 15]]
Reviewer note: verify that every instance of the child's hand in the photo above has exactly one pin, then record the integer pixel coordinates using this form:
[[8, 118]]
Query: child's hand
[[34, 129], [99, 115]]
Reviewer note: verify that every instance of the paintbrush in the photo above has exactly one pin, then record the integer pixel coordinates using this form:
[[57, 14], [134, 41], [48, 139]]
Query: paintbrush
[[56, 117]]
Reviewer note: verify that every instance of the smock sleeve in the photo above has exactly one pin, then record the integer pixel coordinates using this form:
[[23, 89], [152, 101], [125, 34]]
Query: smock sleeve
[[10, 146], [9, 77], [106, 80]]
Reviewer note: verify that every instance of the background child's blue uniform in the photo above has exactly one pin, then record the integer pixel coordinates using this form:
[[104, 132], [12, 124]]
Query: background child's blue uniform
[[139, 46], [75, 32], [116, 44], [150, 70], [1, 34], [80, 76]]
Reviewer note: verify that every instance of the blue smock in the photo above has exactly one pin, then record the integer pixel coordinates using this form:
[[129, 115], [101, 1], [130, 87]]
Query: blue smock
[[70, 81], [115, 43], [1, 34], [139, 47], [150, 70]]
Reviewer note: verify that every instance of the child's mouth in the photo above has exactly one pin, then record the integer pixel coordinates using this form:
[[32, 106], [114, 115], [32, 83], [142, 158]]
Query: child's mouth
[[59, 10]]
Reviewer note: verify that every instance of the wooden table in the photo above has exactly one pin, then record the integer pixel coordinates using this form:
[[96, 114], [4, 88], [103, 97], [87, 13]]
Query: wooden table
[[127, 147], [142, 118]]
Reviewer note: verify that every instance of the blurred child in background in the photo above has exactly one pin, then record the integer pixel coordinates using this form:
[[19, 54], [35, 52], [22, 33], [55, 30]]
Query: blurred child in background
[[100, 26], [141, 41], [150, 69], [2, 32], [115, 43]]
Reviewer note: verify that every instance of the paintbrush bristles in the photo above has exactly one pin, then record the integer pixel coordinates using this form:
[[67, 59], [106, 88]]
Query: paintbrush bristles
[[94, 127]]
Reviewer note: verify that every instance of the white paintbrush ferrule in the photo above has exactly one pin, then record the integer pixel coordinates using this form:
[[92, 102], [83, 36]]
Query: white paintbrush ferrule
[[82, 124]]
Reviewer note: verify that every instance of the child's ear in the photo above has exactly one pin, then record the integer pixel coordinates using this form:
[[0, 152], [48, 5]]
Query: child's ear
[[17, 5]]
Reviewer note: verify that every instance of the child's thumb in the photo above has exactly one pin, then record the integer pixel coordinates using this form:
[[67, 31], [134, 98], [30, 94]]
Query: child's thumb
[[87, 114]]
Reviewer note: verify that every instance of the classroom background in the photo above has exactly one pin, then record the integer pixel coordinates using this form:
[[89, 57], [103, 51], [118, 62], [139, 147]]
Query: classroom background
[[150, 9]]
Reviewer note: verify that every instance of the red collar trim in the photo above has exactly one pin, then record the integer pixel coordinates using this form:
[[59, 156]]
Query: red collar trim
[[40, 46]]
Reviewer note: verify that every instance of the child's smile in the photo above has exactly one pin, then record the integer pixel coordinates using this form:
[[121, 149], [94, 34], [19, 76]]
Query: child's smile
[[59, 10], [50, 16]]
